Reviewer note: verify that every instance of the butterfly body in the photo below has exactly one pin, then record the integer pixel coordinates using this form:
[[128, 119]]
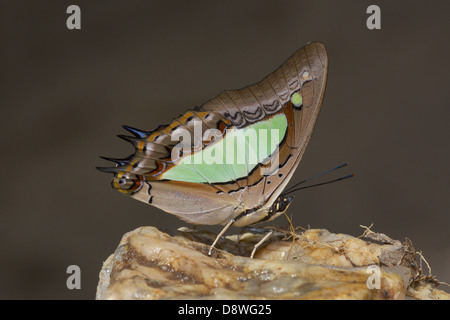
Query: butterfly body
[[238, 150]]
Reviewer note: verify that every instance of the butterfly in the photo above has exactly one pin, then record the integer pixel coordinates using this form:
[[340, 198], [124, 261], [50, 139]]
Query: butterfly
[[228, 161]]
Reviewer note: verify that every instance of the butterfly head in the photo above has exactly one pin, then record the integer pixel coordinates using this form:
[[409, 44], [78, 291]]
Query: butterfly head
[[281, 204]]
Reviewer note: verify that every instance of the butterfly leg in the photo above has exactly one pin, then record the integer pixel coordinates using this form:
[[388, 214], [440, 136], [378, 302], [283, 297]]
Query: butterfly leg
[[267, 236], [220, 235], [256, 229]]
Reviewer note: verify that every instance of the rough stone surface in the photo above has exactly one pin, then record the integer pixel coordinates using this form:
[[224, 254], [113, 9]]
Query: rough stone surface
[[150, 264]]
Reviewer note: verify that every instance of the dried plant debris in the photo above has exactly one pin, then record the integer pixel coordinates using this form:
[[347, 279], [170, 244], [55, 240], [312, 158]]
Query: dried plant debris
[[314, 264]]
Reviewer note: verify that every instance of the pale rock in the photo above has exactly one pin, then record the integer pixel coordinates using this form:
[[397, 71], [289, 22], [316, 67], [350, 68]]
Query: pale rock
[[150, 264]]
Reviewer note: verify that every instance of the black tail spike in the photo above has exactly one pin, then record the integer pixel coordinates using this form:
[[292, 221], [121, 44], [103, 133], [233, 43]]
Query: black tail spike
[[141, 134], [129, 139], [120, 162], [110, 170]]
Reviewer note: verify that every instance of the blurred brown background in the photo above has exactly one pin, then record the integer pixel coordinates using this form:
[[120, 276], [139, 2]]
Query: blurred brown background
[[66, 93]]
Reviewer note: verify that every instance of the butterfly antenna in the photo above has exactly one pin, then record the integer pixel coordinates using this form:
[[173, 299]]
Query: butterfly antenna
[[314, 177], [320, 184]]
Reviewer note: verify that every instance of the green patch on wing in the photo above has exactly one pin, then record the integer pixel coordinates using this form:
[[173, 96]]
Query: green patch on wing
[[234, 156]]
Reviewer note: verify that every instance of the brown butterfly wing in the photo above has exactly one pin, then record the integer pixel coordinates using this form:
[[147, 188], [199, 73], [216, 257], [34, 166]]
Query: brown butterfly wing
[[141, 175], [304, 72]]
